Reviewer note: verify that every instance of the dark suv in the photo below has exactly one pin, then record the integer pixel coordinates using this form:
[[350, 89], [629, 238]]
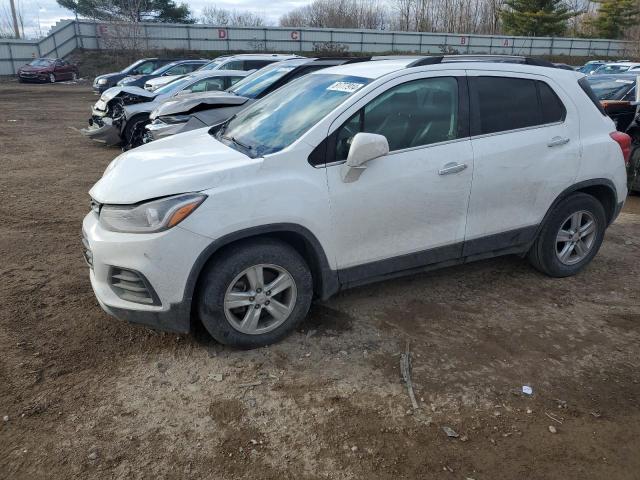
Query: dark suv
[[140, 67]]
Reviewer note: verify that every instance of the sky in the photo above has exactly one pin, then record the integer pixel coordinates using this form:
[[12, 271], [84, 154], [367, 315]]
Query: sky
[[41, 15]]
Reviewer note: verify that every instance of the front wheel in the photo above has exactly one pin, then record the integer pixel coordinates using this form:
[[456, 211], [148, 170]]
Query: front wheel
[[255, 293], [570, 237], [52, 78]]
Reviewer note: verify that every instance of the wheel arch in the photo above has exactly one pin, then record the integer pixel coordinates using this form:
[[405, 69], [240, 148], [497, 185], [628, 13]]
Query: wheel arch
[[325, 280], [602, 189]]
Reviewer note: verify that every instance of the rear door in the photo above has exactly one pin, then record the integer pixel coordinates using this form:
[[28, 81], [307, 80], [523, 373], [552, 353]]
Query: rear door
[[526, 144]]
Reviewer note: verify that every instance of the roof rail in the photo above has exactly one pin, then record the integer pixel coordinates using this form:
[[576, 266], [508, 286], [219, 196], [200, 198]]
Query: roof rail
[[481, 58]]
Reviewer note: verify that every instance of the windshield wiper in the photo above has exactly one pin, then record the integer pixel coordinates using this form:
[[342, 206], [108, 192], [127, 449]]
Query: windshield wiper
[[238, 142]]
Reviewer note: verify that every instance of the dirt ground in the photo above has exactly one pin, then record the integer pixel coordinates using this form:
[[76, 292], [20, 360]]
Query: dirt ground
[[86, 396]]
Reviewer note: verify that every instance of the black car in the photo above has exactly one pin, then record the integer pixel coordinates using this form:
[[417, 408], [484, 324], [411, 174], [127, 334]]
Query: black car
[[176, 68], [140, 67], [617, 94], [201, 110]]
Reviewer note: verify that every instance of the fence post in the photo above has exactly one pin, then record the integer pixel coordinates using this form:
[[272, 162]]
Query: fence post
[[189, 37], [55, 45], [551, 46], [13, 66], [570, 46], [393, 42], [608, 48]]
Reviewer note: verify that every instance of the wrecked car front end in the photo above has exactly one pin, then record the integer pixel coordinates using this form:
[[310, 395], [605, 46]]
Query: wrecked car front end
[[108, 115]]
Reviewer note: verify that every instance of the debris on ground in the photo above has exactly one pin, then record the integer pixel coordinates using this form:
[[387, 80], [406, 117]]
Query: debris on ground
[[216, 377], [553, 429], [527, 390], [451, 433], [250, 384], [553, 417], [5, 418], [405, 370]]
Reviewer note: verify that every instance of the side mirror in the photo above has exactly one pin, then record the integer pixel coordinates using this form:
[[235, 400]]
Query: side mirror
[[364, 148]]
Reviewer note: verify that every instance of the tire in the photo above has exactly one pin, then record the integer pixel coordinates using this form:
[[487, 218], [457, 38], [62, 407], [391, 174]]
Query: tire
[[633, 172], [547, 250], [226, 278], [52, 78], [133, 131], [74, 77]]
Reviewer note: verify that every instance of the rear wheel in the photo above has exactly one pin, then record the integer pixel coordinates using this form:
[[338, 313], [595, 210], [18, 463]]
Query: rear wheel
[[52, 78], [255, 293], [570, 237], [74, 76]]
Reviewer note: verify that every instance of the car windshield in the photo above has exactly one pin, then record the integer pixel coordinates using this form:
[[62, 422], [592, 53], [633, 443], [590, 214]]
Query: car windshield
[[590, 67], [135, 66], [610, 88], [210, 66], [256, 83], [41, 62], [604, 69], [164, 68], [279, 119], [174, 85]]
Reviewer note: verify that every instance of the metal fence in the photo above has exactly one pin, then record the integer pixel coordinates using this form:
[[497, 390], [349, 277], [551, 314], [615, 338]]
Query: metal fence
[[68, 35]]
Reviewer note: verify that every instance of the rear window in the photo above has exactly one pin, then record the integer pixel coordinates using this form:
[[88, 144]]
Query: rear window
[[586, 88]]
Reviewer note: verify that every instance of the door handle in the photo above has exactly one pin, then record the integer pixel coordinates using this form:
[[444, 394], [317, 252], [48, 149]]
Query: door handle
[[557, 141], [452, 167]]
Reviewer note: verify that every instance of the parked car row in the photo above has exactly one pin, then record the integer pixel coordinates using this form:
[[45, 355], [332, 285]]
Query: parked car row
[[602, 67], [286, 197]]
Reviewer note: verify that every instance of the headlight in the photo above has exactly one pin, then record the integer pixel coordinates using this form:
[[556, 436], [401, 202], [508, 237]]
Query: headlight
[[173, 119], [102, 81], [149, 217]]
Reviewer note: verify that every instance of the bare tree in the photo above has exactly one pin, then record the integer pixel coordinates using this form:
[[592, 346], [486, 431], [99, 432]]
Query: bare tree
[[372, 14], [6, 19], [212, 14]]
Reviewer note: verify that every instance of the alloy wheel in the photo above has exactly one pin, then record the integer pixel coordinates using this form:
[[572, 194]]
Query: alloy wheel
[[260, 299], [52, 78], [576, 237]]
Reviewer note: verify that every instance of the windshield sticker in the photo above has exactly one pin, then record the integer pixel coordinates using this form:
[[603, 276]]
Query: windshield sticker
[[346, 87]]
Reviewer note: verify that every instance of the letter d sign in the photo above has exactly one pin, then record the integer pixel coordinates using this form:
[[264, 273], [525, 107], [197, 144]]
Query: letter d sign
[[222, 33]]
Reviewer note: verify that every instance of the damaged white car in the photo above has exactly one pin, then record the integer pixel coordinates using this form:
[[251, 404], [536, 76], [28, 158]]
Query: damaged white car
[[121, 113]]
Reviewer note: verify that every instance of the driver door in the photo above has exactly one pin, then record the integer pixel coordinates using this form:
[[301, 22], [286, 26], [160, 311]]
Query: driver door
[[407, 209]]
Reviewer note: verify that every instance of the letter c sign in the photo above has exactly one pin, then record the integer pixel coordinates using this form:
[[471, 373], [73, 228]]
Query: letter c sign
[[295, 35], [222, 33]]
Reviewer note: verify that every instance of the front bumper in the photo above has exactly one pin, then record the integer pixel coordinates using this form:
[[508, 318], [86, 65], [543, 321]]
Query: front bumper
[[102, 129], [164, 259], [34, 77]]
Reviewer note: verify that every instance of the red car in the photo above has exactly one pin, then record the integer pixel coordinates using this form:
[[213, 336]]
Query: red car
[[47, 70]]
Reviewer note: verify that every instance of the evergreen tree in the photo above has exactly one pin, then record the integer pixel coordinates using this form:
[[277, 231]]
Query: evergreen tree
[[130, 10], [538, 18], [613, 17]]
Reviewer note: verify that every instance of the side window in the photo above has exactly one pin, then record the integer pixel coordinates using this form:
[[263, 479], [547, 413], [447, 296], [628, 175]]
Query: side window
[[416, 113], [234, 80], [178, 70], [145, 68], [208, 85], [255, 64], [503, 104], [232, 65], [192, 67], [552, 108]]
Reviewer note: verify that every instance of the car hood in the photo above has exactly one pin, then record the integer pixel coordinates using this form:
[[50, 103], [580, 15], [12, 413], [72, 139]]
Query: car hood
[[203, 101], [29, 68], [163, 80], [113, 92], [195, 162], [110, 75]]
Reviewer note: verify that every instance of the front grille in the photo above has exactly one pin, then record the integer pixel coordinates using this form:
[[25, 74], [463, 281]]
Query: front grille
[[132, 286], [86, 252]]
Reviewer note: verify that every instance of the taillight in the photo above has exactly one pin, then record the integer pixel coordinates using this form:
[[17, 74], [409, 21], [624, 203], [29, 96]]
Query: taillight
[[624, 141]]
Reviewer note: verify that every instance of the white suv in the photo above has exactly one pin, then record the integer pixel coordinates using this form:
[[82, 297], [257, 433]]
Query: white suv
[[349, 175]]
